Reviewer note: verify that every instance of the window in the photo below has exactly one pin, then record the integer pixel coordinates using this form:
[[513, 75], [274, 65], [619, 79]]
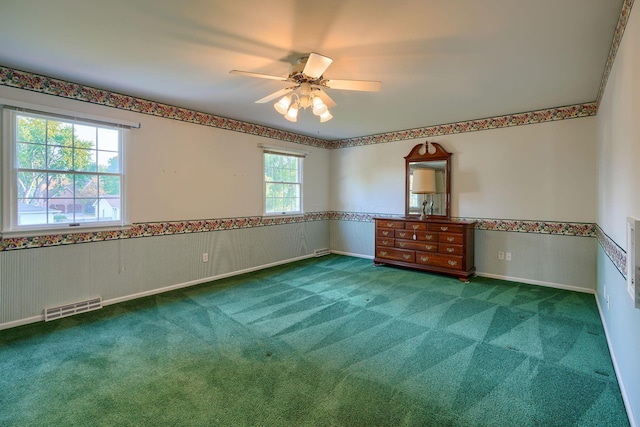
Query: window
[[60, 173], [282, 183]]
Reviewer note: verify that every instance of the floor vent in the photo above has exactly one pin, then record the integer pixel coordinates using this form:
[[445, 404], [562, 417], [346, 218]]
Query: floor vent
[[71, 309], [321, 252]]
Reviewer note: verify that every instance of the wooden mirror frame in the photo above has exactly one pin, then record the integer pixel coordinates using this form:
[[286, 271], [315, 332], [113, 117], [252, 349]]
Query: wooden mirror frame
[[420, 153]]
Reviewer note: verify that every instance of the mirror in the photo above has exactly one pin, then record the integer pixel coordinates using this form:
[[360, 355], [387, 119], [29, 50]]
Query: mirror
[[428, 182]]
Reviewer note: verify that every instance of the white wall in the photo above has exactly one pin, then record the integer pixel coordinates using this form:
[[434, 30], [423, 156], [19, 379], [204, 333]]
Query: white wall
[[175, 171], [536, 172], [183, 171], [618, 145]]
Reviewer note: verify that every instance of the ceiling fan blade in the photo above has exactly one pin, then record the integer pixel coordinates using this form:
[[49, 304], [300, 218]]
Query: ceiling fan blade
[[316, 65], [326, 99], [259, 75], [362, 85], [278, 94]]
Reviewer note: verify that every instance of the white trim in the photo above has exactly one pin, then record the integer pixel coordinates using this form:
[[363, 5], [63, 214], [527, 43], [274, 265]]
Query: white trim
[[300, 183], [283, 150], [50, 231], [352, 254], [284, 215], [203, 280], [71, 114], [9, 226], [22, 322], [537, 282], [619, 377]]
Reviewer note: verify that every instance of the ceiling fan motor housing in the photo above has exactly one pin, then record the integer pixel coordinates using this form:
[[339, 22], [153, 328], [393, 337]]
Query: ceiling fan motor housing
[[297, 74]]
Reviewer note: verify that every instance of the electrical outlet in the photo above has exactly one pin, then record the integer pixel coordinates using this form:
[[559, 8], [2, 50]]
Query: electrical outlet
[[500, 255], [205, 257], [508, 256]]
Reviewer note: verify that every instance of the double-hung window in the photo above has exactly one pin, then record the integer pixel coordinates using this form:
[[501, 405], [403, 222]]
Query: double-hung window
[[60, 172], [282, 182]]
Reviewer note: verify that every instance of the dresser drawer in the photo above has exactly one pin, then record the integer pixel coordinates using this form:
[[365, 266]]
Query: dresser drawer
[[427, 236], [390, 224], [439, 260], [381, 241], [404, 234], [396, 254], [418, 246], [416, 226], [385, 232], [456, 239], [446, 228], [447, 248], [420, 235]]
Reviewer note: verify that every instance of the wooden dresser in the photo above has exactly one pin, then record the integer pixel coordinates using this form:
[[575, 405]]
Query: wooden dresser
[[438, 245]]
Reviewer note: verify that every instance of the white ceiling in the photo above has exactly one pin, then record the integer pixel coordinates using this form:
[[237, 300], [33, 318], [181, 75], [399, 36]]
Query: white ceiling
[[440, 61]]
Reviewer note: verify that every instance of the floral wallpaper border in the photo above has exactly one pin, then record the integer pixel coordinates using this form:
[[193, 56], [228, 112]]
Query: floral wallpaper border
[[617, 255], [205, 225], [47, 85], [50, 86], [615, 44], [539, 116], [541, 227], [152, 229]]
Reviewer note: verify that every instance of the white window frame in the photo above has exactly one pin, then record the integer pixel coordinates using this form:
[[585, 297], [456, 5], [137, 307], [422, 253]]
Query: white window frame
[[282, 151], [9, 202]]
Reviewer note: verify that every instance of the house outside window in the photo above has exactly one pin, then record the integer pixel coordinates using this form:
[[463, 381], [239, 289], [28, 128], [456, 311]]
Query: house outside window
[[60, 173]]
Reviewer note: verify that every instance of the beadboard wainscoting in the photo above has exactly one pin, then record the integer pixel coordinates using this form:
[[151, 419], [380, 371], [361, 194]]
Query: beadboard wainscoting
[[32, 280]]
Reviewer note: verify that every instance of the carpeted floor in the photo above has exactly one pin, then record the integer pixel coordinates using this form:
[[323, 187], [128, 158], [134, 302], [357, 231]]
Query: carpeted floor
[[331, 341]]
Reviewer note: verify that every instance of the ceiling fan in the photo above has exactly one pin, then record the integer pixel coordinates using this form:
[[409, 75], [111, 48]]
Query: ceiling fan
[[308, 87]]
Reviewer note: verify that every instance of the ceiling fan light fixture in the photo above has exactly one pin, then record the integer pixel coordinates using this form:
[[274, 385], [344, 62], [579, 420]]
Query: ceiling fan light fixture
[[305, 101], [292, 113], [319, 107], [325, 117], [307, 77], [282, 106]]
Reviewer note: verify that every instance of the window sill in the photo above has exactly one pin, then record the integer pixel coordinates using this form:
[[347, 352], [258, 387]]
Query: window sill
[[61, 231], [284, 215]]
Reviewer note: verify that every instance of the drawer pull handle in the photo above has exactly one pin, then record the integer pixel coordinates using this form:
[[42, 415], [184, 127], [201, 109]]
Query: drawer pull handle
[[429, 236], [415, 226], [386, 233], [424, 258], [403, 234], [450, 250], [389, 224], [452, 262], [402, 245], [450, 239], [385, 242], [406, 256], [444, 228], [429, 247], [383, 253]]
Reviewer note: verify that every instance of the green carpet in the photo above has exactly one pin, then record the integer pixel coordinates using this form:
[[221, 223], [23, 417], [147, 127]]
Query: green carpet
[[331, 341]]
